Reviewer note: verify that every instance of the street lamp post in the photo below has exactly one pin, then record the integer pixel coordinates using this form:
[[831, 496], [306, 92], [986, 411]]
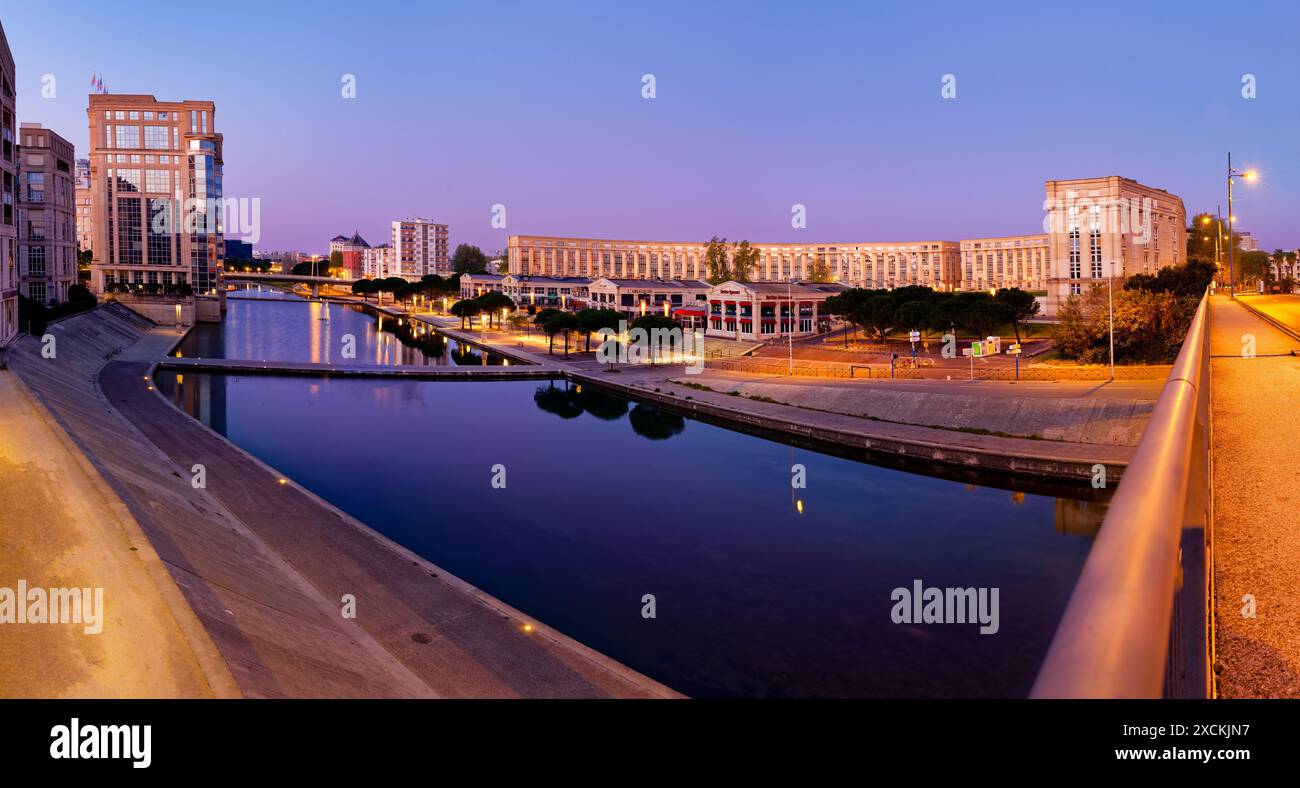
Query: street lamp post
[[1110, 308], [789, 297], [1248, 175]]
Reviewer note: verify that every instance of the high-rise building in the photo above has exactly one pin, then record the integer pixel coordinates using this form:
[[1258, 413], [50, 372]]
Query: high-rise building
[[155, 171], [47, 227], [419, 249], [8, 201]]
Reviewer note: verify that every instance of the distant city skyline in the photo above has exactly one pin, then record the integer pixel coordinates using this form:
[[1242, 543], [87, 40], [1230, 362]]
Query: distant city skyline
[[838, 110]]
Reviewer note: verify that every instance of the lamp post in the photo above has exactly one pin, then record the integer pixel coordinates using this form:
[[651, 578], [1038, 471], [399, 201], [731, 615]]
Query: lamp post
[[1110, 308], [789, 296], [1247, 175]]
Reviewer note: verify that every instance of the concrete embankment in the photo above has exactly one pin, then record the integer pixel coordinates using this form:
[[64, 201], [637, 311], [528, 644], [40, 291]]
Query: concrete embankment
[[1068, 460], [130, 634], [421, 372], [989, 407], [266, 566]]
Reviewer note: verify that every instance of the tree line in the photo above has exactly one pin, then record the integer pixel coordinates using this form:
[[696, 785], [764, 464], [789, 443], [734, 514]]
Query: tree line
[[923, 309]]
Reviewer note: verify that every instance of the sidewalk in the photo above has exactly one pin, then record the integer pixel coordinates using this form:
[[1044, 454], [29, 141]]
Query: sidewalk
[[1256, 540], [61, 527]]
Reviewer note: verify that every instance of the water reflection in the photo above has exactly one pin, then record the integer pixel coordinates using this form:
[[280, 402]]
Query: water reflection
[[764, 589], [278, 326], [569, 401]]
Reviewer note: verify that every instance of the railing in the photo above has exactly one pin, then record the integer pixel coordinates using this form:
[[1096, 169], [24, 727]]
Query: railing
[[1137, 622]]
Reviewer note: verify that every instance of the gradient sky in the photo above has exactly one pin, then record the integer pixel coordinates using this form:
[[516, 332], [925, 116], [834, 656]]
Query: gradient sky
[[537, 106]]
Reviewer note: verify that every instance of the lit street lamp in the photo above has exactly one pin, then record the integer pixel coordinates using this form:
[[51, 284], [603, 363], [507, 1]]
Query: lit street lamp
[[1247, 175]]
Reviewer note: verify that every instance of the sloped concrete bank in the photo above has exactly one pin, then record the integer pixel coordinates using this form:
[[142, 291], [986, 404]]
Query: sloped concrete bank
[[267, 566], [1072, 462]]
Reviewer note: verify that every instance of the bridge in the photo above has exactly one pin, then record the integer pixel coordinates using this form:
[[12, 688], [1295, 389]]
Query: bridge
[[1189, 588], [314, 281]]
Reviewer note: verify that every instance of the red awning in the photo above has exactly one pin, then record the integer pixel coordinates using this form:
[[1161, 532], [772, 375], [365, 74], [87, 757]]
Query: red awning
[[689, 312]]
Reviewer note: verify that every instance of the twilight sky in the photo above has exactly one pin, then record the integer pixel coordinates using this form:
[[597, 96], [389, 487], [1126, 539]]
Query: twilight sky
[[759, 105]]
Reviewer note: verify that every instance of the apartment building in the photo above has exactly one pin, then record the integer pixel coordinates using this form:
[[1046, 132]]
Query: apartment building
[[85, 214], [1109, 228], [419, 249], [156, 203], [1022, 261], [1131, 229], [8, 201], [47, 225], [377, 262], [932, 263]]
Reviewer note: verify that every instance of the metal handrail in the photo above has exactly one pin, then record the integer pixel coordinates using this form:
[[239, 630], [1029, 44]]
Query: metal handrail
[[1114, 639]]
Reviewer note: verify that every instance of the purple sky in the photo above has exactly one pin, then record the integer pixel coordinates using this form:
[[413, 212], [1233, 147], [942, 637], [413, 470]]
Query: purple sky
[[538, 106]]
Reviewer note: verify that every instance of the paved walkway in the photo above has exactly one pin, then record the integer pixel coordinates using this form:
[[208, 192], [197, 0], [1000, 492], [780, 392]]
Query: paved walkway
[[1256, 541], [61, 526]]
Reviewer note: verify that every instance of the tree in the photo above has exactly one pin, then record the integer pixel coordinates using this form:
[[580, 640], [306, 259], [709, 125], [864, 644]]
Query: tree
[[820, 271], [1019, 305], [949, 313], [1149, 326], [465, 310], [542, 319], [913, 315], [468, 260], [494, 303], [84, 258], [336, 260], [985, 316], [593, 320], [560, 323], [716, 258], [363, 288], [846, 305], [877, 314], [743, 261], [652, 323], [1252, 265]]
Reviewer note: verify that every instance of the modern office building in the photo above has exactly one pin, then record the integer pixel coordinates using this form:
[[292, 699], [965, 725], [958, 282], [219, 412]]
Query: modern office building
[[155, 169], [419, 249], [1022, 261], [47, 224], [8, 197], [1109, 228]]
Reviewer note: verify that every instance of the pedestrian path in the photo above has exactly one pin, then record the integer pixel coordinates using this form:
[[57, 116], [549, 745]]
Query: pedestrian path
[[1256, 477]]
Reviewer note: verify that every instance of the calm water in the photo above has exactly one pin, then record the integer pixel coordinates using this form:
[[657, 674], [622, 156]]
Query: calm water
[[759, 592], [276, 326]]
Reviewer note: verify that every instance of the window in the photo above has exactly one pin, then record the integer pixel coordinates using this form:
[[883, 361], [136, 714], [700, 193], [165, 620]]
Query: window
[[156, 181], [1075, 262], [127, 136], [156, 138], [1094, 240]]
